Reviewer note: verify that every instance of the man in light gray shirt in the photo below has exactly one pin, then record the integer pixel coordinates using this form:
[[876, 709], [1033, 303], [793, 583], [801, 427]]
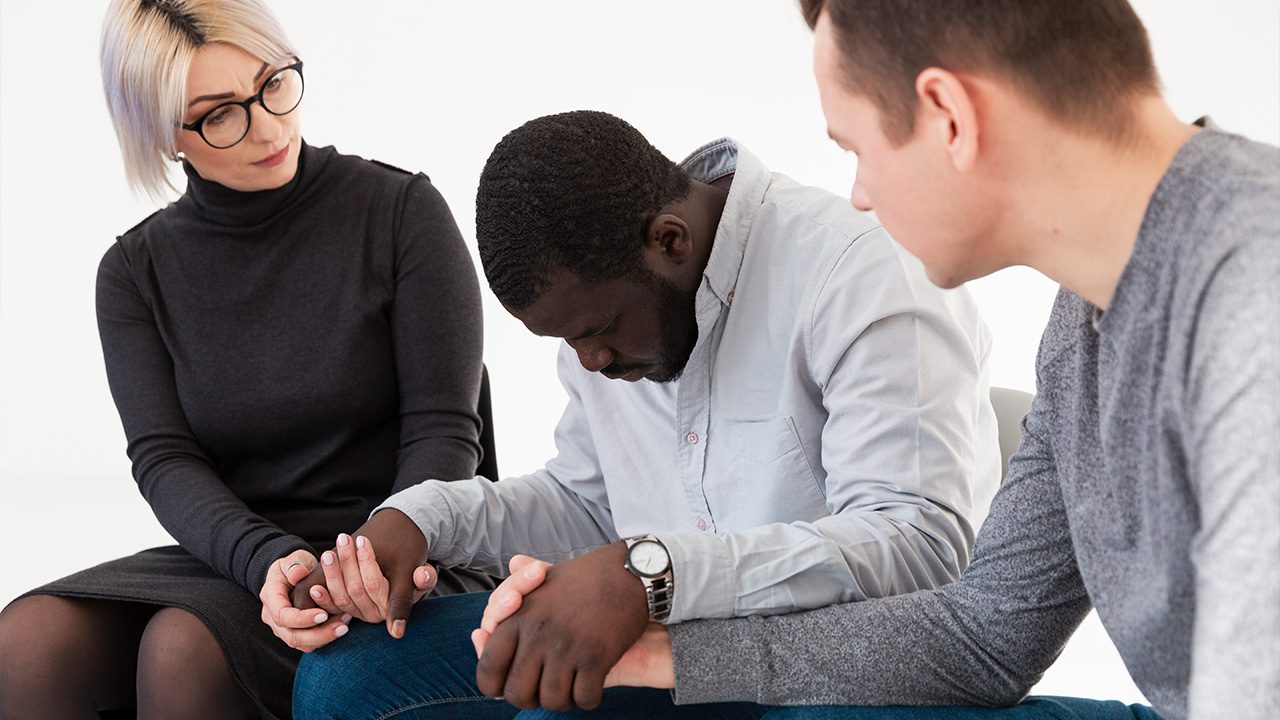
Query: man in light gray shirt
[[763, 388], [1147, 484]]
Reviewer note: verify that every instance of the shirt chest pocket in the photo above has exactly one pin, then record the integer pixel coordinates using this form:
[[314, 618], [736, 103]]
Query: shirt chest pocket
[[770, 473]]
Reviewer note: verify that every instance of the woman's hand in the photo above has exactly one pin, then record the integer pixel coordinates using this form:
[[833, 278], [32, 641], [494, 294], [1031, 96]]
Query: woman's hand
[[351, 581], [304, 596], [301, 629], [378, 586]]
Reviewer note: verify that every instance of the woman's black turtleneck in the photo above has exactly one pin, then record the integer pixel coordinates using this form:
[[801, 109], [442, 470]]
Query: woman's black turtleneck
[[283, 360]]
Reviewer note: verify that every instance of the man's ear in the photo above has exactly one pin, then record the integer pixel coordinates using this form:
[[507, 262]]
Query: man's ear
[[948, 114], [668, 243]]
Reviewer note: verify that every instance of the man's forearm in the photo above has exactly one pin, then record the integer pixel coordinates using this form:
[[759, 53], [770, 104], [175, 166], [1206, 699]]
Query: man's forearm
[[984, 639], [481, 524], [903, 650]]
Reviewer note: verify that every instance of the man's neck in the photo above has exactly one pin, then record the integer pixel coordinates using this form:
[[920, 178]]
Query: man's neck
[[1083, 203], [702, 209]]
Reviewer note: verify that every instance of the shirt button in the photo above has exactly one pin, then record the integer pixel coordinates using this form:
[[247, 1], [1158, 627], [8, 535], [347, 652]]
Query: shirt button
[[692, 438], [702, 524], [729, 299]]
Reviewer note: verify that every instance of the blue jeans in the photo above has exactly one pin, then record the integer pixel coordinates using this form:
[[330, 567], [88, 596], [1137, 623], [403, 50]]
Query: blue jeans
[[1033, 708], [431, 673]]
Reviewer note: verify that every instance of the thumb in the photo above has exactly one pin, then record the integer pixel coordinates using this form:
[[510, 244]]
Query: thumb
[[518, 562], [399, 605], [424, 578], [479, 639], [298, 566]]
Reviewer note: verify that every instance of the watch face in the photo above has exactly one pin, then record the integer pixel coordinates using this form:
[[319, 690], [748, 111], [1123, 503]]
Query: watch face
[[650, 558]]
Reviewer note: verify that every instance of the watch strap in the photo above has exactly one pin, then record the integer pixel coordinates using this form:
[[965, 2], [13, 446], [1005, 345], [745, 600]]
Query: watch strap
[[658, 591]]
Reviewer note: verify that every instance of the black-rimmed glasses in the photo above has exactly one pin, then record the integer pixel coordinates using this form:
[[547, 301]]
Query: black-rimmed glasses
[[228, 123]]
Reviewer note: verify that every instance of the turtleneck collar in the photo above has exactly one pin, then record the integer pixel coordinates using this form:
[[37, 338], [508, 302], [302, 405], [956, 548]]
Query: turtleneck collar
[[221, 205]]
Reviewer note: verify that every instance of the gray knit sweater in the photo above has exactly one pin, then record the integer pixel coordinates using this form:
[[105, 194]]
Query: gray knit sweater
[[1147, 485]]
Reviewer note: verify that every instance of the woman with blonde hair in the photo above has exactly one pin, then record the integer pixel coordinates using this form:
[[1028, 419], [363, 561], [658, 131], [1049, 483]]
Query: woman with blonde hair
[[294, 339]]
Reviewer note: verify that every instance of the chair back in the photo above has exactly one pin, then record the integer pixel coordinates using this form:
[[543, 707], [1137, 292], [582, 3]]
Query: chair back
[[488, 467], [1010, 406]]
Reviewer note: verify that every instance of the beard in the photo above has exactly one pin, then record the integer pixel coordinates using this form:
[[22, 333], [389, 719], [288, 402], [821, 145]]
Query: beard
[[678, 328]]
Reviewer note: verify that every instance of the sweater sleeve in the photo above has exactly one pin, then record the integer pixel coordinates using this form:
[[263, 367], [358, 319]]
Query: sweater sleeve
[[174, 474], [1233, 456], [437, 337], [983, 640]]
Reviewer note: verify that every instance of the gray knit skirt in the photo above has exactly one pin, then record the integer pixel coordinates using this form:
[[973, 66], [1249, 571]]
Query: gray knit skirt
[[171, 577]]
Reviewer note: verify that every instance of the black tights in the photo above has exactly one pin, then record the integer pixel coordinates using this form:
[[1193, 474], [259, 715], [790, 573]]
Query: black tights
[[70, 658]]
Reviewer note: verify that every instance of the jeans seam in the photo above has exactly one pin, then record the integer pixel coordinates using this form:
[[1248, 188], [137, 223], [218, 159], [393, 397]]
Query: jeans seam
[[429, 703]]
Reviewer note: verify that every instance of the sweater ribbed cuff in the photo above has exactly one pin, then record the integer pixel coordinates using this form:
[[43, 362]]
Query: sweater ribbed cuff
[[272, 550]]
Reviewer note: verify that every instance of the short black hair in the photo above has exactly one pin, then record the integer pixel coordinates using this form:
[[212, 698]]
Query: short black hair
[[574, 191]]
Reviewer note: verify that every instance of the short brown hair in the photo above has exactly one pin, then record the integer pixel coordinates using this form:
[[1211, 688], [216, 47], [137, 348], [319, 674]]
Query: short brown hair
[[1081, 61]]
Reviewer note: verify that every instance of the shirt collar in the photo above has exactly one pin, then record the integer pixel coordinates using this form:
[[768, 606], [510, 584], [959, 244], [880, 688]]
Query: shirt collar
[[751, 179]]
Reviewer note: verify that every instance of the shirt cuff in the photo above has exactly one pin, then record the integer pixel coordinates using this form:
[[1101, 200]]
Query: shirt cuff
[[704, 584], [717, 661], [429, 508]]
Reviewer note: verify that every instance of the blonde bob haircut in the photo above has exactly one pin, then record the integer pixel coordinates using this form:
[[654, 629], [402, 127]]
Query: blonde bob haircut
[[147, 48]]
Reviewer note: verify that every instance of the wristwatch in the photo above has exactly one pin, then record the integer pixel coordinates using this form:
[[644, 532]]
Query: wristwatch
[[648, 559]]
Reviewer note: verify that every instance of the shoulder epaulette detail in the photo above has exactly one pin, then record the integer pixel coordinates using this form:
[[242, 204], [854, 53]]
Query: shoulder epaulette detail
[[388, 166], [144, 221]]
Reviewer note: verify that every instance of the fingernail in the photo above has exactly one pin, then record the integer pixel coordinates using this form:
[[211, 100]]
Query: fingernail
[[360, 542], [397, 628], [531, 571], [315, 591], [346, 617], [426, 574], [327, 558], [507, 598], [321, 617], [343, 539], [340, 631]]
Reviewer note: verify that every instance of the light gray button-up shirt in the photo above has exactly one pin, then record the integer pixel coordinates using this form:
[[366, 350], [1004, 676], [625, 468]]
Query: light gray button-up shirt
[[830, 440]]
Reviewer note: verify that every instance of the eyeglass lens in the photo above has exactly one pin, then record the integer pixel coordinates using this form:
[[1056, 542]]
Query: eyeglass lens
[[228, 124]]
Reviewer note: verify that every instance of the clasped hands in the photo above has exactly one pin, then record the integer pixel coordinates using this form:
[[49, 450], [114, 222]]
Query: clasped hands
[[585, 628], [308, 603], [580, 632]]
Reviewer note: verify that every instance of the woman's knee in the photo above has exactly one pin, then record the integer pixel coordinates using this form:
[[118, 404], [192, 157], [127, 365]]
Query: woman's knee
[[35, 641], [181, 665], [176, 641], [61, 653]]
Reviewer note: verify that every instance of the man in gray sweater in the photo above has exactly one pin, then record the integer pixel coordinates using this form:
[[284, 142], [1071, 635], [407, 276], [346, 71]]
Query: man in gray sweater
[[1147, 484]]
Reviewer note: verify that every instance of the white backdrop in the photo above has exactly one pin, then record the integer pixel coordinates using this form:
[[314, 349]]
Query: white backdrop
[[432, 86]]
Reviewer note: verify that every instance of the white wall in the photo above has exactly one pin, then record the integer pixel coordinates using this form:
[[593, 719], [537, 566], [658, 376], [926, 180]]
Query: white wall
[[432, 86]]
